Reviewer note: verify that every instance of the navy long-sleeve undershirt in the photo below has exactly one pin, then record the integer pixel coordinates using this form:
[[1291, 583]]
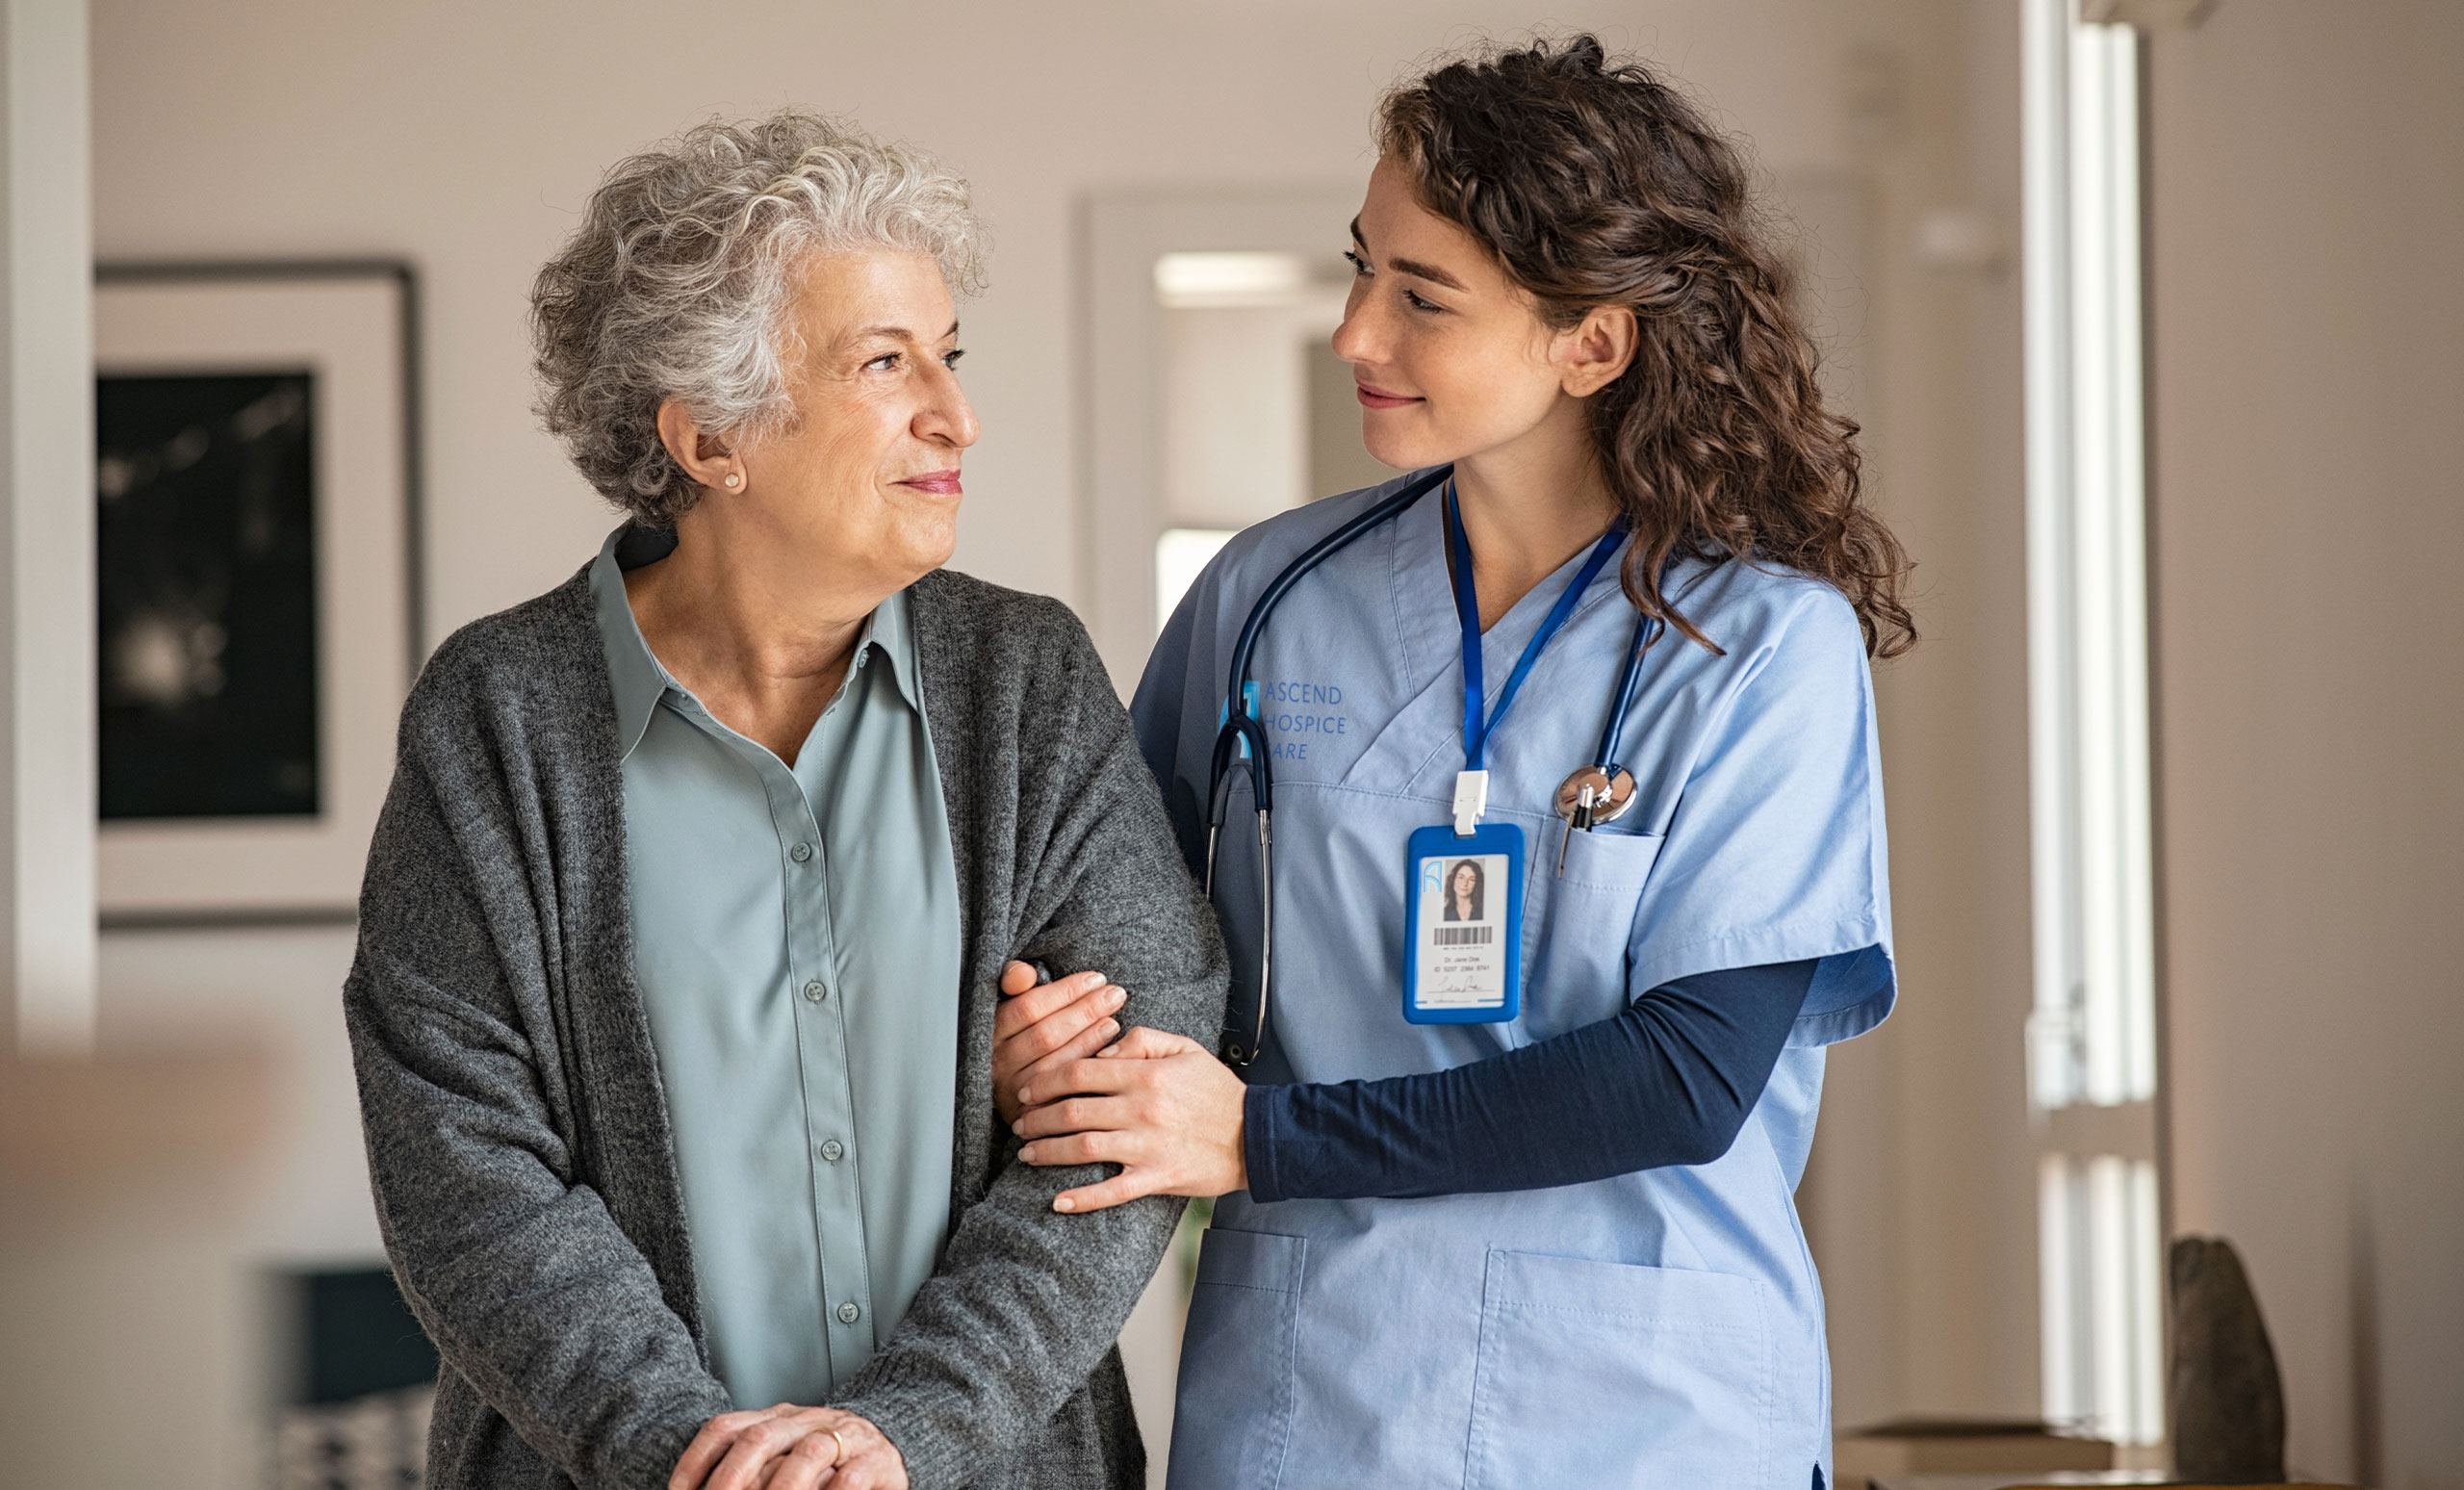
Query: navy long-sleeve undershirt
[[1670, 1081]]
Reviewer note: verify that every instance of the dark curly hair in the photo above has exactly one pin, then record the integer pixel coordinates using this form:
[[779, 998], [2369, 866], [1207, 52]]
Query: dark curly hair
[[1595, 183]]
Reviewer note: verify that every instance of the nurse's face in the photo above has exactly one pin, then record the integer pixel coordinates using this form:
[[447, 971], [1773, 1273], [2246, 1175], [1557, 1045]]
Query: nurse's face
[[1451, 359]]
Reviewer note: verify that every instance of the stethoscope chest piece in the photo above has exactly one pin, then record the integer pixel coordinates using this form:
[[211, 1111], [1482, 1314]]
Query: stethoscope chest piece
[[1593, 795]]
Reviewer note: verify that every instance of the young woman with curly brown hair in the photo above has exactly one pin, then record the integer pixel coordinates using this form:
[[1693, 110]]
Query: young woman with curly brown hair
[[1534, 1226]]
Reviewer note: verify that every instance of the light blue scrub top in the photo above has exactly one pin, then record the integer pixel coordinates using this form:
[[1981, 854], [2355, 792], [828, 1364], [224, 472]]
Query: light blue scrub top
[[1661, 1328], [796, 943]]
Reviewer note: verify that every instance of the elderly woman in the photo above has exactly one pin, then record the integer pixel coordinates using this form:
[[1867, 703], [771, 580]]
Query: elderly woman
[[675, 1005]]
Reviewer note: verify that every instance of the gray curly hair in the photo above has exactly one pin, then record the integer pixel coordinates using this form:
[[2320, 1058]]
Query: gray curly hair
[[676, 284]]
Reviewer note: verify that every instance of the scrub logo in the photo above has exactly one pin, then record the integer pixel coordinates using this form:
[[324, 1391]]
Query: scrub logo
[[1298, 714]]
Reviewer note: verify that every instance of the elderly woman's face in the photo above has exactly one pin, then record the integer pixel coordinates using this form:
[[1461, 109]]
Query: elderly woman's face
[[869, 474]]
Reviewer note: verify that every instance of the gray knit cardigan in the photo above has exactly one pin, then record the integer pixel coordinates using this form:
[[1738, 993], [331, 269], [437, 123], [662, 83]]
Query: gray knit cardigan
[[518, 1136]]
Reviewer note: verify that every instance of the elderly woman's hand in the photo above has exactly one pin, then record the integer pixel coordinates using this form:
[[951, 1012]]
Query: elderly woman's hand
[[1042, 1026], [789, 1448], [1161, 1106]]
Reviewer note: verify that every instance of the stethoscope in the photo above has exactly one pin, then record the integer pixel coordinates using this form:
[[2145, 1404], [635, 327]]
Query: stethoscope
[[1595, 793]]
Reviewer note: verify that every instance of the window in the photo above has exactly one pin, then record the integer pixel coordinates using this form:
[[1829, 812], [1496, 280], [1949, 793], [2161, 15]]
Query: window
[[2092, 1058], [1258, 413], [1181, 556]]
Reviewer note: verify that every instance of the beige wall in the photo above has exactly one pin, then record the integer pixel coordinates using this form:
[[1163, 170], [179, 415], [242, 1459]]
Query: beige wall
[[465, 136], [2308, 201]]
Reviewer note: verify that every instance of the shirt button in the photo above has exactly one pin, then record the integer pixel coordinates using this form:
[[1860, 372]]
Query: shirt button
[[849, 1314], [815, 991], [801, 852], [833, 1150]]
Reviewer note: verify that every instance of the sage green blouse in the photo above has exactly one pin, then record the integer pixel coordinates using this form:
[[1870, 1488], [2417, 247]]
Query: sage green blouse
[[796, 943]]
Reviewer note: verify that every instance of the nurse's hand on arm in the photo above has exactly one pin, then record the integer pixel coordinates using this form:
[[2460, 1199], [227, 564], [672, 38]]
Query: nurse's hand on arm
[[1043, 1025], [1161, 1106], [1670, 1081]]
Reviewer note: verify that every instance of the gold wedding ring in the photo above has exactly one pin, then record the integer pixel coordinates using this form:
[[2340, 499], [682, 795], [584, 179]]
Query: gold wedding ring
[[840, 1456]]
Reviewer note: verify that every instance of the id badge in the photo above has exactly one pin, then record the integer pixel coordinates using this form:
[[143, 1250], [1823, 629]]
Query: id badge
[[1463, 925]]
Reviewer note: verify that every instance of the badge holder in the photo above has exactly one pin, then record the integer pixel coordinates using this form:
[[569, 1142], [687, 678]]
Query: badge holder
[[1463, 916]]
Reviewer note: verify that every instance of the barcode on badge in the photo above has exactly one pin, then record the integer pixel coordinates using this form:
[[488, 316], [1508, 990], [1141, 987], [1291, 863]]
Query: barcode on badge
[[1465, 935]]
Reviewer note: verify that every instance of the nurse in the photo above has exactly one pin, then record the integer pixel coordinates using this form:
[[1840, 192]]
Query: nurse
[[1506, 1190]]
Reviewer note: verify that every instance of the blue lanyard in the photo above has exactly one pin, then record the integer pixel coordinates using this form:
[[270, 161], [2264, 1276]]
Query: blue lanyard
[[1477, 722]]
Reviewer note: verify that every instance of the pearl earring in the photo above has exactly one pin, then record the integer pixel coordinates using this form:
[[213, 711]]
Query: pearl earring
[[734, 479]]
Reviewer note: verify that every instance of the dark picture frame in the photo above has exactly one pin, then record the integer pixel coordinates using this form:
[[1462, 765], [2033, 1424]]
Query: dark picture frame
[[259, 550]]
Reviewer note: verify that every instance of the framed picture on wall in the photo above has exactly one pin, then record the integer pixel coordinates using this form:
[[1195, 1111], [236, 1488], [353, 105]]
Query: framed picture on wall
[[257, 553]]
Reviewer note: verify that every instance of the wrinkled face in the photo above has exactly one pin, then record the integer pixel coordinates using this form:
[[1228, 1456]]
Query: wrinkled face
[[869, 474], [1451, 359]]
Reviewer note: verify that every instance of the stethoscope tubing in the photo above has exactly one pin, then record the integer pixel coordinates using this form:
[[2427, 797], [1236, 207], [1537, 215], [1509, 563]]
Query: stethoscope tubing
[[1241, 728], [1612, 734]]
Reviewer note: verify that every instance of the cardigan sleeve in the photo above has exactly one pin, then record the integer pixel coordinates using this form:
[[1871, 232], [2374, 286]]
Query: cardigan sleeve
[[1029, 1301], [514, 1264]]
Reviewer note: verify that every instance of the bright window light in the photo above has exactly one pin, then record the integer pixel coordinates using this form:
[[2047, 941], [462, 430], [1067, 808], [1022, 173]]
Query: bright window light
[[2095, 1012], [2102, 1296], [2093, 1032], [1180, 555], [1196, 281]]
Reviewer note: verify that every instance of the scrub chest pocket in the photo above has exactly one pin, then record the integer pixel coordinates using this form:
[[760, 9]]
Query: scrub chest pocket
[[1583, 927]]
